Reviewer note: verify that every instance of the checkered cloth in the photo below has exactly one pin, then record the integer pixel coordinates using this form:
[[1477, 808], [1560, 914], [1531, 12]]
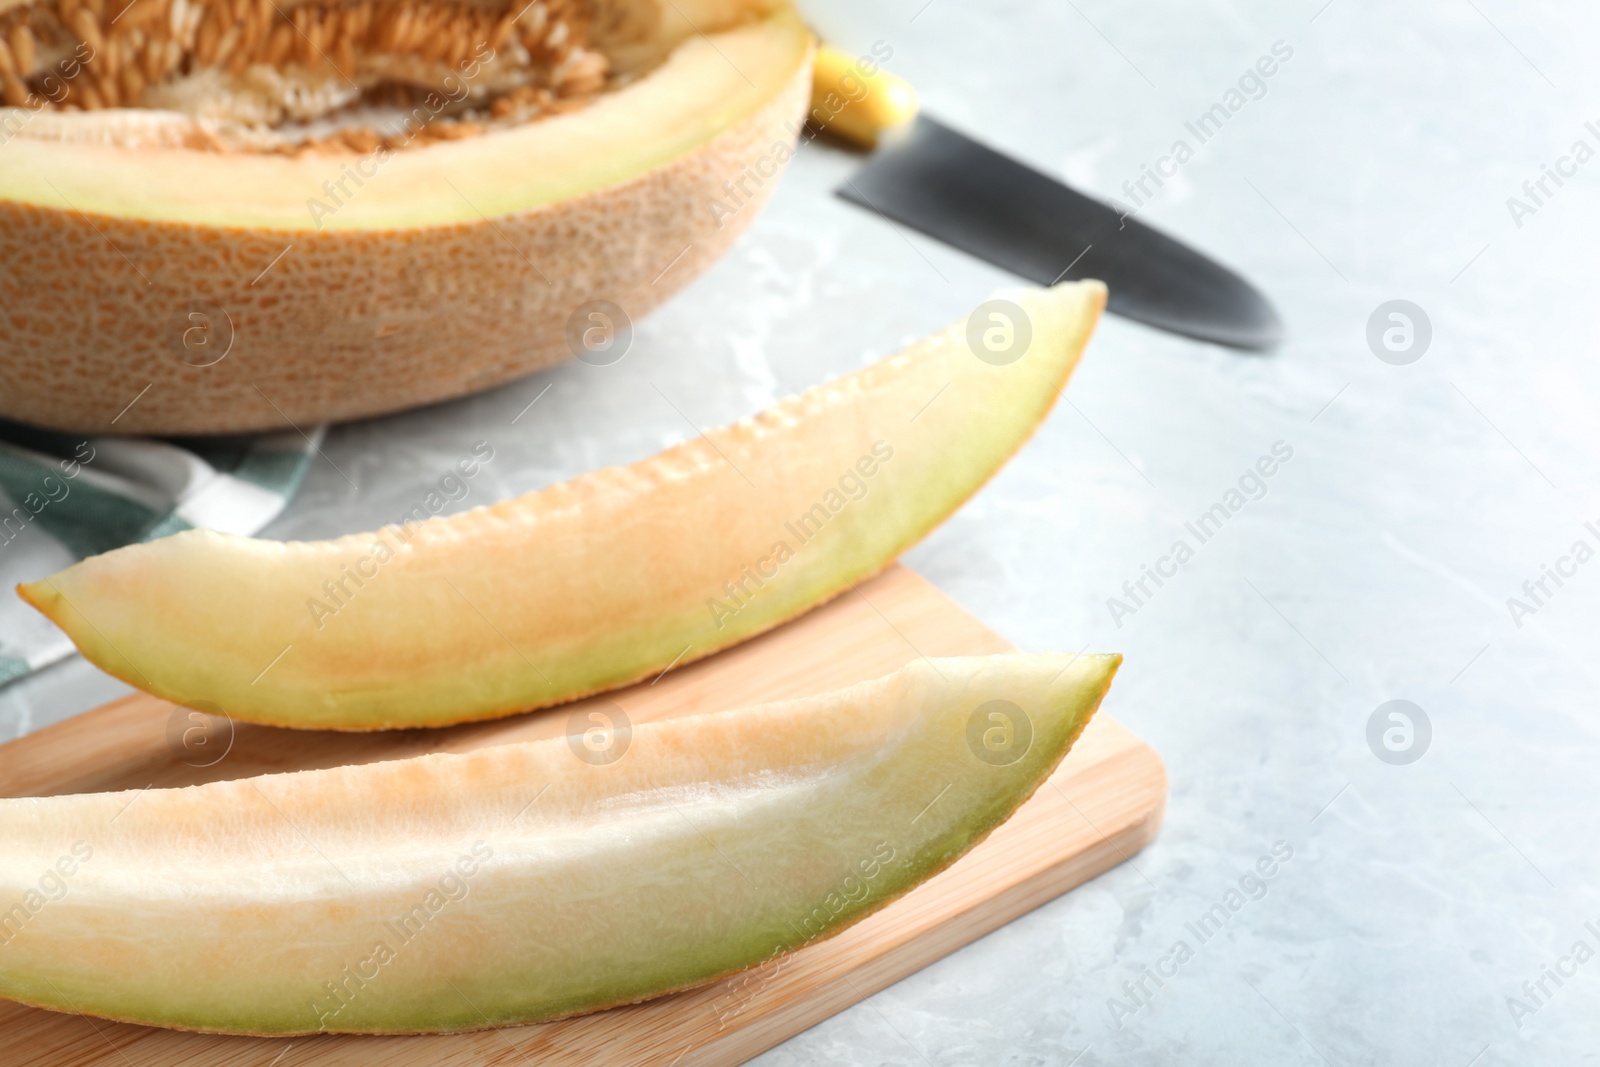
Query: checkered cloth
[[67, 496]]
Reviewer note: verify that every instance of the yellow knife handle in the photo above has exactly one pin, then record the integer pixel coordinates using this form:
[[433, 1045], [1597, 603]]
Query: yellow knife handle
[[856, 99]]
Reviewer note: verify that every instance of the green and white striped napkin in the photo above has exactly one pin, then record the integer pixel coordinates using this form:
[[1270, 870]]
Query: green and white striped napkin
[[67, 496]]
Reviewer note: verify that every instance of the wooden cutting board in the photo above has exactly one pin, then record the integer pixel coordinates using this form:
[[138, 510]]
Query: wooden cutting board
[[1103, 804]]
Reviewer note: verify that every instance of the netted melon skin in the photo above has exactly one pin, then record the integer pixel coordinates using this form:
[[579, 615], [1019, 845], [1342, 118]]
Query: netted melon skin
[[112, 325]]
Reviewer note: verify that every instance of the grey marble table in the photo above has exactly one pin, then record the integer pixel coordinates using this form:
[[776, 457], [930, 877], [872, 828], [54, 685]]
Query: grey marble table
[[1375, 565]]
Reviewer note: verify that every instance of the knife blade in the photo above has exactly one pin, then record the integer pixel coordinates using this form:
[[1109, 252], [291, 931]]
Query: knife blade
[[944, 184]]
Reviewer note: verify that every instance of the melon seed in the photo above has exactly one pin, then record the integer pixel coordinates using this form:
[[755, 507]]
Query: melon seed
[[121, 50]]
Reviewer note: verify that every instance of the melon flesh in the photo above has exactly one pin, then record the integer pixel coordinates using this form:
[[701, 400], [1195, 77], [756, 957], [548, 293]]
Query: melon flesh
[[587, 585], [695, 88], [519, 883]]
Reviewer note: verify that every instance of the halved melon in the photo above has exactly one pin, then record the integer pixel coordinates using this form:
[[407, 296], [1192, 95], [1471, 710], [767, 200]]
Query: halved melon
[[221, 215], [521, 883], [587, 585]]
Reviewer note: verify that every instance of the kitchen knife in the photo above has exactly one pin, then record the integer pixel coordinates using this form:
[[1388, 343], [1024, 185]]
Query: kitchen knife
[[937, 180]]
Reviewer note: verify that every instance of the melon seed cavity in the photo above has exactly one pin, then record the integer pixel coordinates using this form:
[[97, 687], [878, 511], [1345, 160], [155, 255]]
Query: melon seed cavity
[[280, 77]]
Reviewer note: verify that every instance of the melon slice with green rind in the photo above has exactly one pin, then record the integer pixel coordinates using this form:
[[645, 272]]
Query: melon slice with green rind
[[610, 578], [522, 883]]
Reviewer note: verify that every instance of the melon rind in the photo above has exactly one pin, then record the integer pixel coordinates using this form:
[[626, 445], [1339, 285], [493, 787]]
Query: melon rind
[[587, 585], [537, 885], [453, 268]]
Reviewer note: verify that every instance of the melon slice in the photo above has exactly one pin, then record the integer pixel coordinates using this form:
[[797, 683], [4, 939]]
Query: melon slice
[[613, 577], [223, 215], [521, 883]]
